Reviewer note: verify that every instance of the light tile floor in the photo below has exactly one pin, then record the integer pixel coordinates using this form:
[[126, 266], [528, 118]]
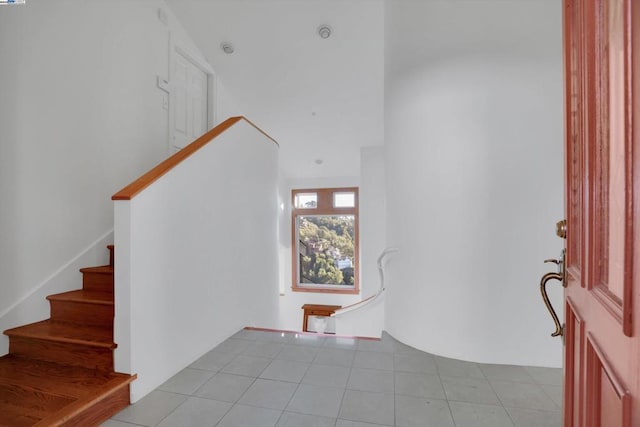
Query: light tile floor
[[267, 379]]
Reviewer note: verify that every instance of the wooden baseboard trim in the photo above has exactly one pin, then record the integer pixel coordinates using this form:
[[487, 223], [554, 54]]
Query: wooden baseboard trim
[[251, 328]]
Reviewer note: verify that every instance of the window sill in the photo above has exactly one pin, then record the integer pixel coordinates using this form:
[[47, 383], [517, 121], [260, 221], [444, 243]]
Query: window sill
[[352, 291]]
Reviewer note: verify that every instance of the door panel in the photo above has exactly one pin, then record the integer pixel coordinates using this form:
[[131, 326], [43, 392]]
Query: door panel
[[613, 54], [179, 90], [608, 399], [198, 102], [189, 94], [602, 353], [574, 331], [608, 167], [573, 126]]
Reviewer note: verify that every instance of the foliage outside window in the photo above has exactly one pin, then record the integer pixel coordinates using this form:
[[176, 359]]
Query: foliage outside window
[[325, 240]]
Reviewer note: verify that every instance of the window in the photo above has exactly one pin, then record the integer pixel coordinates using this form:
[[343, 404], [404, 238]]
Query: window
[[325, 240]]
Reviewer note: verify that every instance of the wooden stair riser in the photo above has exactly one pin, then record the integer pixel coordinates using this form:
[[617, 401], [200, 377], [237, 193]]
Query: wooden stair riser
[[82, 312], [93, 281], [62, 352]]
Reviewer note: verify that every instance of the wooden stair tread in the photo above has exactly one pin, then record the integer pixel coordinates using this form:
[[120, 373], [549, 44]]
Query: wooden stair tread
[[84, 296], [49, 377], [16, 398], [102, 269], [45, 393], [87, 404], [16, 416], [90, 335]]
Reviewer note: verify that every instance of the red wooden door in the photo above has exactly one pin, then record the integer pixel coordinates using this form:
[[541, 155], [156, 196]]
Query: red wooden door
[[602, 295]]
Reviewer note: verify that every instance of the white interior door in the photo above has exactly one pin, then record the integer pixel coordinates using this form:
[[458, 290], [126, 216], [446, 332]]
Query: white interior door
[[188, 109]]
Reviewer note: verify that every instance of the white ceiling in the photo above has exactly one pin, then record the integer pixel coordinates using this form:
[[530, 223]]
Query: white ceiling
[[319, 98]]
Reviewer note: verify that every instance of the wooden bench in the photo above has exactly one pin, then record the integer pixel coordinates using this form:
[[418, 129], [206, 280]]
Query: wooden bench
[[316, 310]]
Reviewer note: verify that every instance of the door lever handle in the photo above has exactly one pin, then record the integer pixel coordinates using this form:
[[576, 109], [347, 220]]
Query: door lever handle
[[560, 276], [545, 298]]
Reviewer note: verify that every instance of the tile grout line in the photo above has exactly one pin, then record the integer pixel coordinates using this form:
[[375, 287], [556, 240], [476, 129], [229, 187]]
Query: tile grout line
[[504, 408], [355, 350], [395, 412], [240, 397]]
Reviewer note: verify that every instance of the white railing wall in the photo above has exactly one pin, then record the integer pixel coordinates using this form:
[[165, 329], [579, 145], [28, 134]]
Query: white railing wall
[[196, 256]]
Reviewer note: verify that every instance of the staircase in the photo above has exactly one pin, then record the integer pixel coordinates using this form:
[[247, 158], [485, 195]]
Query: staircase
[[59, 372]]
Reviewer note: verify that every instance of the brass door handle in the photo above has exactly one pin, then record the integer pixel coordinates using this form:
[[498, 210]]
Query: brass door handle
[[545, 298], [560, 276], [561, 229]]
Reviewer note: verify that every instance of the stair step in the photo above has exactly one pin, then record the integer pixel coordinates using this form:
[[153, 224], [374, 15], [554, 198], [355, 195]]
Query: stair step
[[94, 408], [82, 306], [73, 344], [59, 371], [66, 332], [45, 393], [84, 296], [97, 278], [49, 377]]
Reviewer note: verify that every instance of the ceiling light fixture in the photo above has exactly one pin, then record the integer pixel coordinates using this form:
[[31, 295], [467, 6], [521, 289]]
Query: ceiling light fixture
[[227, 48], [324, 31]]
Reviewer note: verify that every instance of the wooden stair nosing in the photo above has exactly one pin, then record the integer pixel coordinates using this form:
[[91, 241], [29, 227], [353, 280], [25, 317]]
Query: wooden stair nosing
[[83, 296], [101, 269]]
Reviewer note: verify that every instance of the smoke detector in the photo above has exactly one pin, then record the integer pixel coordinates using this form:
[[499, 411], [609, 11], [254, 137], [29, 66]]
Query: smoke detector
[[324, 31], [227, 48]]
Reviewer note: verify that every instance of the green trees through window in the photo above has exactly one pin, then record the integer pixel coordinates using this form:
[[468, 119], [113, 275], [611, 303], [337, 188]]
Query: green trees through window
[[325, 240], [327, 249]]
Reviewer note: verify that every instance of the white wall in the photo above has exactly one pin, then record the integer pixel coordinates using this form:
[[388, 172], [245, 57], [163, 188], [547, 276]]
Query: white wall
[[473, 134], [226, 105], [317, 97], [80, 116], [197, 259], [367, 321]]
